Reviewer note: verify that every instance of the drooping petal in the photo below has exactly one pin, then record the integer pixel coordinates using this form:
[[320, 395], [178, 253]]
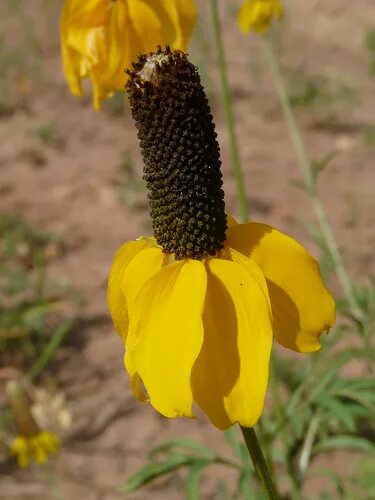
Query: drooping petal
[[115, 295], [166, 335], [79, 23], [230, 375], [302, 307], [119, 50], [135, 379]]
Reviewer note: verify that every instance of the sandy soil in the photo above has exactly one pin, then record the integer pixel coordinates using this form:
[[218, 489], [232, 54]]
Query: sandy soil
[[70, 187]]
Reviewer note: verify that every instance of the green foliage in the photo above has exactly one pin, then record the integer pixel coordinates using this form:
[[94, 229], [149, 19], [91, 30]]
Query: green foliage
[[370, 45], [31, 331], [321, 410], [27, 298], [321, 93], [187, 454], [18, 59], [369, 135], [47, 133]]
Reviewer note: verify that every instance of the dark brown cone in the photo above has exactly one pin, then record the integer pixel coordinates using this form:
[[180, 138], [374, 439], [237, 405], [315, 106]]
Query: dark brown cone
[[181, 154]]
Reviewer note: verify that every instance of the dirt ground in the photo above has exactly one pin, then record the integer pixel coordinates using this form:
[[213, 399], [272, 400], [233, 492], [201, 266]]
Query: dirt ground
[[70, 187]]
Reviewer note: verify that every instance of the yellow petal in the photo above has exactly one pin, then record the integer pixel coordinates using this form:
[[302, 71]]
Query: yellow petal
[[231, 221], [115, 296], [166, 334], [100, 38], [302, 307], [71, 66], [257, 15], [135, 379], [187, 15], [172, 22], [20, 449], [39, 454], [123, 45], [231, 373], [79, 23], [49, 441], [140, 269], [149, 34]]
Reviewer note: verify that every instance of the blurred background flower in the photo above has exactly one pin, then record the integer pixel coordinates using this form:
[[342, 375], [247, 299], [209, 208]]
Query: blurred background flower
[[257, 15], [100, 38], [32, 443]]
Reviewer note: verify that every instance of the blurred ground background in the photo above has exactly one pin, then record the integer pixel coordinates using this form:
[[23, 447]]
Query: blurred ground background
[[76, 173]]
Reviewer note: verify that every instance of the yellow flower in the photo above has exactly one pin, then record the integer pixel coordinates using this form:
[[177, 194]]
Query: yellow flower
[[201, 330], [100, 38], [34, 448], [257, 15], [197, 307]]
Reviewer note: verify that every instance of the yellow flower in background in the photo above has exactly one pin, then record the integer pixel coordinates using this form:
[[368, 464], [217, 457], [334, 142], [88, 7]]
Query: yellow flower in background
[[37, 448], [32, 444], [198, 305], [100, 38], [257, 15]]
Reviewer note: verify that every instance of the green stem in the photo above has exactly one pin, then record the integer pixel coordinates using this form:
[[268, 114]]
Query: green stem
[[229, 116], [305, 165], [259, 462]]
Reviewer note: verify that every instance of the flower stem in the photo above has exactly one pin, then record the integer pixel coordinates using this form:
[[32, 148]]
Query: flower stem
[[307, 172], [229, 116], [259, 462]]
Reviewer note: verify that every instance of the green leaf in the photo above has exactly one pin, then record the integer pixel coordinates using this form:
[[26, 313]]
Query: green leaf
[[50, 349], [317, 166], [185, 444], [326, 379], [359, 384], [193, 480], [364, 398], [156, 469], [338, 410], [355, 443]]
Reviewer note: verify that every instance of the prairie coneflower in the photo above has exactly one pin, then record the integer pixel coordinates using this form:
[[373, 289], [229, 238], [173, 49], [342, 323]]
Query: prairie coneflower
[[197, 305], [258, 15], [32, 444], [100, 38]]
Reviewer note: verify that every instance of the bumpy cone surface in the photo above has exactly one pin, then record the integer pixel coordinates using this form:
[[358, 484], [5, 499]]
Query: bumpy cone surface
[[181, 154]]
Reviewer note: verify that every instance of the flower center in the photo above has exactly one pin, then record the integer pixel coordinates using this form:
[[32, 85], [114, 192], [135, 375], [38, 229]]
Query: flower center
[[181, 154]]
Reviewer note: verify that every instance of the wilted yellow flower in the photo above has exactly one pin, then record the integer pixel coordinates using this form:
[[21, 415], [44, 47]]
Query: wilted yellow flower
[[35, 448], [100, 38], [257, 15], [197, 307], [31, 444]]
